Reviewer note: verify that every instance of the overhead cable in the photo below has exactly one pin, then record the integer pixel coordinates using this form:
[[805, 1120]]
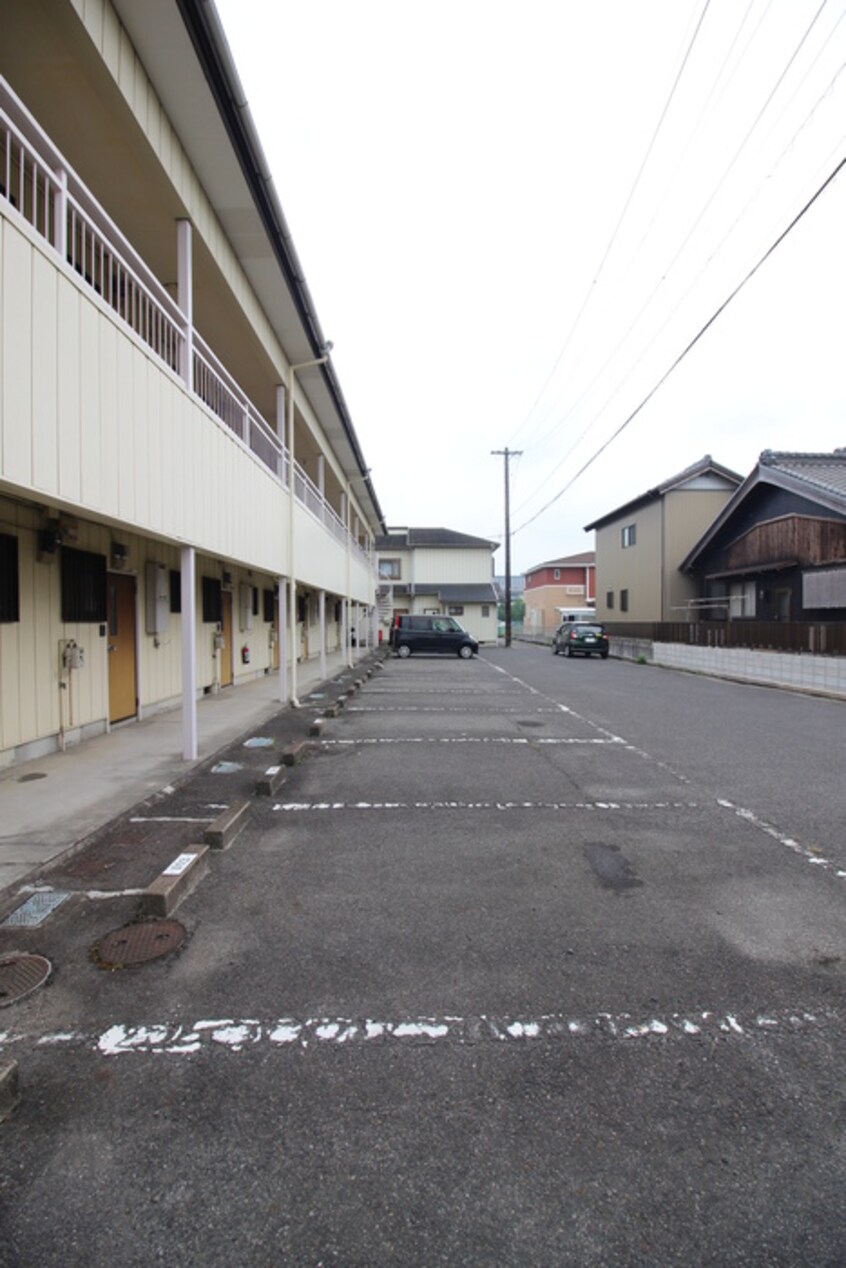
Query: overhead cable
[[690, 346]]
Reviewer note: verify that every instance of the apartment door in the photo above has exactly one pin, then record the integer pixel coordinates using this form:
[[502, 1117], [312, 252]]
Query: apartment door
[[123, 702], [226, 631]]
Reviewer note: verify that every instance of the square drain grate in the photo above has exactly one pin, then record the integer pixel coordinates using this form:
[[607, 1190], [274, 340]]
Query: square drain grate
[[36, 908]]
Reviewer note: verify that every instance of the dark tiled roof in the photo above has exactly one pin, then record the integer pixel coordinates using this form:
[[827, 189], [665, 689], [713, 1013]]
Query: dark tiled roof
[[823, 472], [819, 477], [470, 593], [408, 538]]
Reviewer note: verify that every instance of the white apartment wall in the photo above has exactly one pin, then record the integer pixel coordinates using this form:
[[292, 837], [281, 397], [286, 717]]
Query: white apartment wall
[[450, 566], [89, 420]]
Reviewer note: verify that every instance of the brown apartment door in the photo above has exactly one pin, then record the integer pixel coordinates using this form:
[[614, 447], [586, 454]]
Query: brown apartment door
[[226, 631], [122, 657]]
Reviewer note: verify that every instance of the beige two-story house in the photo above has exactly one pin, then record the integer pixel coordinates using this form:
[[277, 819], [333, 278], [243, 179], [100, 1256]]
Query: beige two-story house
[[641, 545]]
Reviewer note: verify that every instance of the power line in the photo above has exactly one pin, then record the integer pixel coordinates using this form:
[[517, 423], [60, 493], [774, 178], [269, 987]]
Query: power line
[[612, 240], [644, 307], [692, 344]]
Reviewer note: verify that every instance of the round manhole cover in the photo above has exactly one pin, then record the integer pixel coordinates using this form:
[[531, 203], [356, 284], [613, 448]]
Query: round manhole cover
[[136, 944], [21, 974]]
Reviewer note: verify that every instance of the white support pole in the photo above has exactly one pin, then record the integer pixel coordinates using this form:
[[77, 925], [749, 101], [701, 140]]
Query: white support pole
[[292, 593], [281, 396], [282, 636], [188, 563], [60, 212], [345, 655], [185, 296], [321, 599]]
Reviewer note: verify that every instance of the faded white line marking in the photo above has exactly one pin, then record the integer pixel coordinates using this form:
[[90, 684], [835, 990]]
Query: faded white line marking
[[469, 739], [170, 819], [808, 853], [290, 806], [239, 1035], [415, 708]]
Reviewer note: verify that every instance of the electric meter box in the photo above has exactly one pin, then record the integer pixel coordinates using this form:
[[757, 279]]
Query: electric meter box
[[158, 597]]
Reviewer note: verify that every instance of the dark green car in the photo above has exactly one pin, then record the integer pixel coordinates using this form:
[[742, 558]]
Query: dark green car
[[580, 638]]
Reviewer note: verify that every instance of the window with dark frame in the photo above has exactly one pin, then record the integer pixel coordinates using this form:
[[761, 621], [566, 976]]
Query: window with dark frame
[[212, 602], [390, 569], [83, 587], [624, 600], [175, 590], [255, 601], [628, 535], [456, 609], [269, 606], [609, 600], [10, 600]]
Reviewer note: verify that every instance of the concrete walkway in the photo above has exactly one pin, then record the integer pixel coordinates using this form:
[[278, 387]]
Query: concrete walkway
[[51, 803]]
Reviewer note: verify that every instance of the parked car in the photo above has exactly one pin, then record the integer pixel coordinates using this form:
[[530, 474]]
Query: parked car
[[431, 634], [580, 638]]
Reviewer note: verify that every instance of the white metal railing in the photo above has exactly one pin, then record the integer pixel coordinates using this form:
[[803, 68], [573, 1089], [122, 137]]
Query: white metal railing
[[42, 187], [216, 387]]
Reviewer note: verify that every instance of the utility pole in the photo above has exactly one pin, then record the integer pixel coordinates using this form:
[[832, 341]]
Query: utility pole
[[506, 454]]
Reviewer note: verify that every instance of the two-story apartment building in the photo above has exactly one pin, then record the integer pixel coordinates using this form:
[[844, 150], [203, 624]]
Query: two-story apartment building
[[641, 545], [438, 570], [184, 503], [556, 585]]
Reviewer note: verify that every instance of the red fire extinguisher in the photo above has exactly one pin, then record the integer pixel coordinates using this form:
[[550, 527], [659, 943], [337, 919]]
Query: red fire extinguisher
[[245, 654]]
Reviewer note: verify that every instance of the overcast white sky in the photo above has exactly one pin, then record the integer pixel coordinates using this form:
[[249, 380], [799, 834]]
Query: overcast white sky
[[513, 217]]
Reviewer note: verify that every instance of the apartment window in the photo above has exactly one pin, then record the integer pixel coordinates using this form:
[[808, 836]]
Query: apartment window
[[556, 574], [628, 535], [456, 610], [486, 609], [609, 600], [212, 604], [175, 590], [83, 587], [390, 569], [624, 600], [9, 584], [269, 602]]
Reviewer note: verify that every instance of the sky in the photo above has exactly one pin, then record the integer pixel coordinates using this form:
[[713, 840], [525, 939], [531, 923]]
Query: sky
[[514, 219]]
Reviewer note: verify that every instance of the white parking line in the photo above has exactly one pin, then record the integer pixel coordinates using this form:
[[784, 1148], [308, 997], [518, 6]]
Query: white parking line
[[297, 806], [466, 739], [808, 853], [238, 1035]]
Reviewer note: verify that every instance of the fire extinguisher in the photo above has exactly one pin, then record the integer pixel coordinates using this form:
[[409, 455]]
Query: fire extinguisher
[[245, 654]]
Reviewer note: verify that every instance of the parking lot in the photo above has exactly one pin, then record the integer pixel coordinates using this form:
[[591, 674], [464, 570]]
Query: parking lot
[[530, 961]]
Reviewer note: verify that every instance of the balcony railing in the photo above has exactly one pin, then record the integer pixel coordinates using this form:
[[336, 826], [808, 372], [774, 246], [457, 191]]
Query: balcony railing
[[41, 186]]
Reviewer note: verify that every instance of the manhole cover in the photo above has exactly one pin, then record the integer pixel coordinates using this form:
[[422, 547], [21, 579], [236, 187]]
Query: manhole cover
[[136, 944], [21, 974]]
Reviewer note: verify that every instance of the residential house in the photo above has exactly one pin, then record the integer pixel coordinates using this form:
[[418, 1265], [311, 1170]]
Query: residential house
[[641, 545], [184, 503], [437, 570], [777, 550], [558, 584]]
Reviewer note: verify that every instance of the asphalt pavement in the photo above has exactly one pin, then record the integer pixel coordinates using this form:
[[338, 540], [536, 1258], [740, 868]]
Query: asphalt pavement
[[519, 965]]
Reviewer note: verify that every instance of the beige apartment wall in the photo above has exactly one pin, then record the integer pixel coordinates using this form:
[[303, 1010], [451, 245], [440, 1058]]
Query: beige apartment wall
[[35, 707]]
